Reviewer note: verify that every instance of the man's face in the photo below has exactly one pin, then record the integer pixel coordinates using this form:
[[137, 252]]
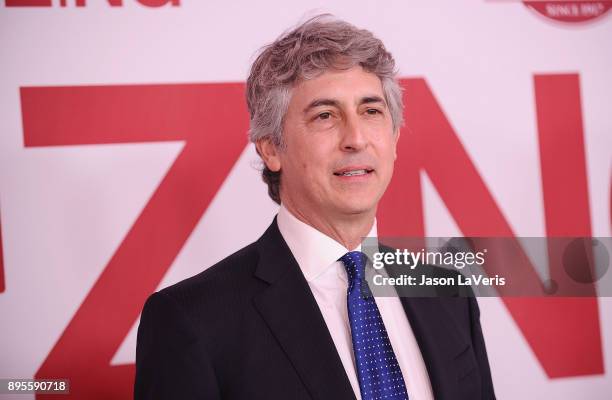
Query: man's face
[[340, 146]]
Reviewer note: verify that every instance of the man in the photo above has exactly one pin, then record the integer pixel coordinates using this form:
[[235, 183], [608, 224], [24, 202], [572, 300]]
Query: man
[[283, 318]]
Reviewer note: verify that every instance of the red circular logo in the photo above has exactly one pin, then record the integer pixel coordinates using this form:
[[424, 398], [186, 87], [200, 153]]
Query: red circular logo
[[570, 11]]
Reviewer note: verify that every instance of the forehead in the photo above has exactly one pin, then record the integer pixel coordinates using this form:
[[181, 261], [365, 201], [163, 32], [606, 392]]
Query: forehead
[[342, 85]]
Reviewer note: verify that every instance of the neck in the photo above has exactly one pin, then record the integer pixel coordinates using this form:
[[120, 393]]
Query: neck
[[348, 230]]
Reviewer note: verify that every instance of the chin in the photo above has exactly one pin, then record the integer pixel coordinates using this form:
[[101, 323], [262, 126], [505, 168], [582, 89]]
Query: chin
[[358, 208]]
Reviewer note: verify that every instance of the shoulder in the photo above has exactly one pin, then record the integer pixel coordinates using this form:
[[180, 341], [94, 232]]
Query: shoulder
[[222, 282], [225, 291], [235, 266], [220, 288], [208, 306]]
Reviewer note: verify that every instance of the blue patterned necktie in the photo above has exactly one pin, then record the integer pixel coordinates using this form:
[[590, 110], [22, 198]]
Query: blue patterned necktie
[[380, 377]]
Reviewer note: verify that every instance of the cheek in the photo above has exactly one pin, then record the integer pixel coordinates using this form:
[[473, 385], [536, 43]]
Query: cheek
[[308, 155], [387, 157], [303, 167], [313, 159]]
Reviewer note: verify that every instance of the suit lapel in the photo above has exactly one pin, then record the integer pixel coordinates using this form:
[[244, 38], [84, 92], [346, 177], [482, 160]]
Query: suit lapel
[[438, 336], [293, 316], [439, 342]]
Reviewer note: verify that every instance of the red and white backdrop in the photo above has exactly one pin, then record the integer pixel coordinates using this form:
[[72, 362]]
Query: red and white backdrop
[[124, 165]]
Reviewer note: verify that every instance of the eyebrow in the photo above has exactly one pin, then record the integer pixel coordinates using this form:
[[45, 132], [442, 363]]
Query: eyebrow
[[373, 99], [321, 102], [335, 103]]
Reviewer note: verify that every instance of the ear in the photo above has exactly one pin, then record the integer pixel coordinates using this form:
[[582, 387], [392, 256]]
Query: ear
[[268, 151], [396, 137]]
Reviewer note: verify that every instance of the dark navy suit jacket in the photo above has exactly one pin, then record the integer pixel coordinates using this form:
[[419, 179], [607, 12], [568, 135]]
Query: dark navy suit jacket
[[250, 328]]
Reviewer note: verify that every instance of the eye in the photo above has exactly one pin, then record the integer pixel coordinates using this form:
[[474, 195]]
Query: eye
[[324, 115], [373, 111]]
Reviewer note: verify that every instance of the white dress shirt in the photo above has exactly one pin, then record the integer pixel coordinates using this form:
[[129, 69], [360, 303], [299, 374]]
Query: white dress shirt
[[317, 255]]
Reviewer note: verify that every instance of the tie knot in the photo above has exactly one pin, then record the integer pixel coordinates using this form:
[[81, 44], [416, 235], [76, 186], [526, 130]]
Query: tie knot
[[354, 262]]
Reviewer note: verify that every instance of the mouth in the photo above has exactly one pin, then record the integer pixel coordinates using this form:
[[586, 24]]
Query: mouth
[[351, 171]]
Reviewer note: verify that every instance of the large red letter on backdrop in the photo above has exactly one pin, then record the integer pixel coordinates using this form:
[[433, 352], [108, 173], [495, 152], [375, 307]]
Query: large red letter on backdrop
[[564, 333], [212, 121]]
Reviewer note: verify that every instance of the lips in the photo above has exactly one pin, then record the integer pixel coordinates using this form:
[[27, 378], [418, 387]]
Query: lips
[[354, 171]]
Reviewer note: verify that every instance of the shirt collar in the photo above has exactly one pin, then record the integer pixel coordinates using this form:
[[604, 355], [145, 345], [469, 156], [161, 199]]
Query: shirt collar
[[313, 250]]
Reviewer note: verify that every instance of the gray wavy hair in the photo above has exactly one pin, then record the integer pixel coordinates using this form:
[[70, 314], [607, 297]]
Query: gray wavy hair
[[321, 43]]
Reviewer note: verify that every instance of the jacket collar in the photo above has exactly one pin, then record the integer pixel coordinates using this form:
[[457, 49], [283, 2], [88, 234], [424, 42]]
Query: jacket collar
[[292, 314]]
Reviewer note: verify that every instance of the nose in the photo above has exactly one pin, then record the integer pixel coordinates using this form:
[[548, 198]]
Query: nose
[[353, 137]]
